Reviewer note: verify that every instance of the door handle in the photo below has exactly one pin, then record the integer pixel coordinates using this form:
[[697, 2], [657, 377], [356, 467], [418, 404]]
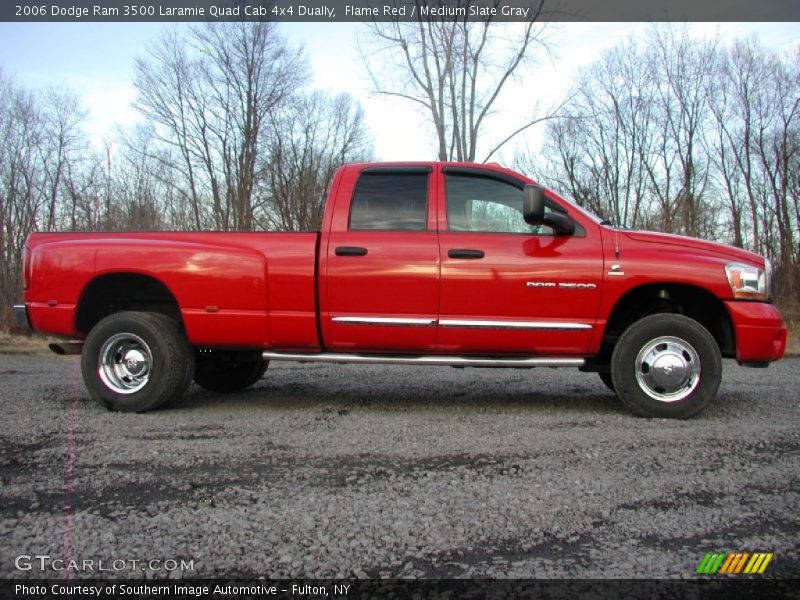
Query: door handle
[[465, 253], [350, 251]]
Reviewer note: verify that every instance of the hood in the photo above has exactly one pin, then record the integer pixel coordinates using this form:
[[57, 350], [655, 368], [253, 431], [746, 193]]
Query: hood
[[697, 245]]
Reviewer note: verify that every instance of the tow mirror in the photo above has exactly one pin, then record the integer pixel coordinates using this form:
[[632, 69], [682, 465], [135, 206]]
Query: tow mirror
[[533, 211], [533, 205]]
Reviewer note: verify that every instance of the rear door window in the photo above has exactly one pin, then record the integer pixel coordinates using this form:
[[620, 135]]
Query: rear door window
[[390, 201]]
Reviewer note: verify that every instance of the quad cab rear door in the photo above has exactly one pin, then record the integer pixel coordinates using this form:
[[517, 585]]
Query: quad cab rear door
[[379, 267]]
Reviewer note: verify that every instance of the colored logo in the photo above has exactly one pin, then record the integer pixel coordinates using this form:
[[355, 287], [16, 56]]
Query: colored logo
[[734, 563]]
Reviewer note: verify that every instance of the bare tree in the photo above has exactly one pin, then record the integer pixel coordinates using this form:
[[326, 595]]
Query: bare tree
[[682, 67], [64, 144], [307, 142], [632, 143], [756, 106], [141, 184], [231, 143], [209, 95], [598, 148], [454, 70], [678, 134], [19, 199], [39, 140]]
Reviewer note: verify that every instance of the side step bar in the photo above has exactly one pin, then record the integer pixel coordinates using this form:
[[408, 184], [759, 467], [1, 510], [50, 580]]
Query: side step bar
[[453, 361]]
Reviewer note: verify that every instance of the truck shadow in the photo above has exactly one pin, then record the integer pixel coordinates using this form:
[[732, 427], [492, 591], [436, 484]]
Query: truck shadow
[[290, 391]]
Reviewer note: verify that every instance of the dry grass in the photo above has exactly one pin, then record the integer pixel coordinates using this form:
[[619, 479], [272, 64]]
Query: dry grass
[[24, 344], [793, 341], [790, 311]]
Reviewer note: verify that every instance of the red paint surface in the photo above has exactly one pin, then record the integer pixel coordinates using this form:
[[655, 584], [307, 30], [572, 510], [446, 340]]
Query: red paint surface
[[268, 287]]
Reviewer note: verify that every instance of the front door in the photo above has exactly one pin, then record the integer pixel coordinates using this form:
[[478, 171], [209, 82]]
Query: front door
[[508, 287]]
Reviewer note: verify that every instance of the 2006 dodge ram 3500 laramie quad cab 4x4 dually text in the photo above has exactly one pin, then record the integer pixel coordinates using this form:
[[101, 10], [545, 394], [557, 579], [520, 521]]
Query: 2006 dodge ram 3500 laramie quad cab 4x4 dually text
[[416, 263]]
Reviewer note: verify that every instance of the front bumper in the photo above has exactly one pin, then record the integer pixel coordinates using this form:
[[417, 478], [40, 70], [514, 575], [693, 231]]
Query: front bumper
[[759, 330], [21, 317]]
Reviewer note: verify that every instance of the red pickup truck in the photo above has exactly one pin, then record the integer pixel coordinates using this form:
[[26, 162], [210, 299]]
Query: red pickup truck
[[416, 263]]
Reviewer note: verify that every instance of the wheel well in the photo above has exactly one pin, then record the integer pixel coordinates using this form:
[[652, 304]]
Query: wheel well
[[109, 294], [691, 301]]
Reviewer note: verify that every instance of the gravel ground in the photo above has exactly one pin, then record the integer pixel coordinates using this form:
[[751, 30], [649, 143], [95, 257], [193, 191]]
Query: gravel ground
[[341, 471]]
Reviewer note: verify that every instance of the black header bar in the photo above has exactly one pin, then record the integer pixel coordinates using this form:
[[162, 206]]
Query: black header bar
[[323, 11], [480, 589]]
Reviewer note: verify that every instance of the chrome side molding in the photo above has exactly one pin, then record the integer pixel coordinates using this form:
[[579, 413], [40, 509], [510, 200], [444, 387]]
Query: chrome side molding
[[453, 361], [464, 323], [537, 325], [385, 321]]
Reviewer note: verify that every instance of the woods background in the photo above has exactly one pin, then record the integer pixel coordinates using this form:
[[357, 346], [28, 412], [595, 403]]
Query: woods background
[[664, 131]]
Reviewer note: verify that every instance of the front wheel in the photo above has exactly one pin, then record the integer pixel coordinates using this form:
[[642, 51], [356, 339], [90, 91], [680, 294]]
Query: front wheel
[[228, 371], [136, 361], [667, 366]]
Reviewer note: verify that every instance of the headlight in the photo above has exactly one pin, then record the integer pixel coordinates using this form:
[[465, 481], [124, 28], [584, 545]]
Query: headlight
[[747, 281]]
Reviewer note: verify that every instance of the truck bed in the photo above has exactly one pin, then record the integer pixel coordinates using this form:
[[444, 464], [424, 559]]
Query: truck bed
[[232, 289]]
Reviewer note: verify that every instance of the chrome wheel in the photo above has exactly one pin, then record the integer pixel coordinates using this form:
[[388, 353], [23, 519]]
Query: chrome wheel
[[125, 363], [668, 369]]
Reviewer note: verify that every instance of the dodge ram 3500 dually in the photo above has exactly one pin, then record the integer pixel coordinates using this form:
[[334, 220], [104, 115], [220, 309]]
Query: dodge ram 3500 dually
[[418, 264]]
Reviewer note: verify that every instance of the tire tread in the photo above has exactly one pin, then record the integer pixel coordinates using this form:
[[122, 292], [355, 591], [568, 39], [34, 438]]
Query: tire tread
[[171, 352], [648, 328]]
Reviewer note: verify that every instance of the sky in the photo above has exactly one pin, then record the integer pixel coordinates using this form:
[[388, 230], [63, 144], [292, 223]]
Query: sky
[[96, 61]]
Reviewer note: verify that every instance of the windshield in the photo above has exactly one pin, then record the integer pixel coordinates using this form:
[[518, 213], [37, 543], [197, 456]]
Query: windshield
[[585, 211]]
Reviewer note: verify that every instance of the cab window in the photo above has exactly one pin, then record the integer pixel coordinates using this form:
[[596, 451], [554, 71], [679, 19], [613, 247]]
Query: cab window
[[390, 201], [485, 204]]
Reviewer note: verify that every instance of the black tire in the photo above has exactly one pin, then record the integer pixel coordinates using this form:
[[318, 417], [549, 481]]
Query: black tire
[[228, 371], [159, 366], [666, 366], [608, 380]]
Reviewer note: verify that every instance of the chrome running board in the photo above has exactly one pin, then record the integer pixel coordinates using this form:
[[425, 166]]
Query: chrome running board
[[453, 361]]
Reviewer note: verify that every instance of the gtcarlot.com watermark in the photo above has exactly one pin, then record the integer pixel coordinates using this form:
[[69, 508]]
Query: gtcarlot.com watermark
[[47, 563]]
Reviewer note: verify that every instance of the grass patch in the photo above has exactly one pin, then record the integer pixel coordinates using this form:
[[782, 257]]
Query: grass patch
[[24, 344], [793, 340]]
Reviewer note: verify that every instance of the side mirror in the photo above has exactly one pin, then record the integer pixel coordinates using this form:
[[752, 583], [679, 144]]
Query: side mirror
[[533, 211], [533, 205]]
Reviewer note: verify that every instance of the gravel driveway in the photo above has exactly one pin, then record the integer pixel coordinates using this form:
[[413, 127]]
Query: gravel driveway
[[341, 471]]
